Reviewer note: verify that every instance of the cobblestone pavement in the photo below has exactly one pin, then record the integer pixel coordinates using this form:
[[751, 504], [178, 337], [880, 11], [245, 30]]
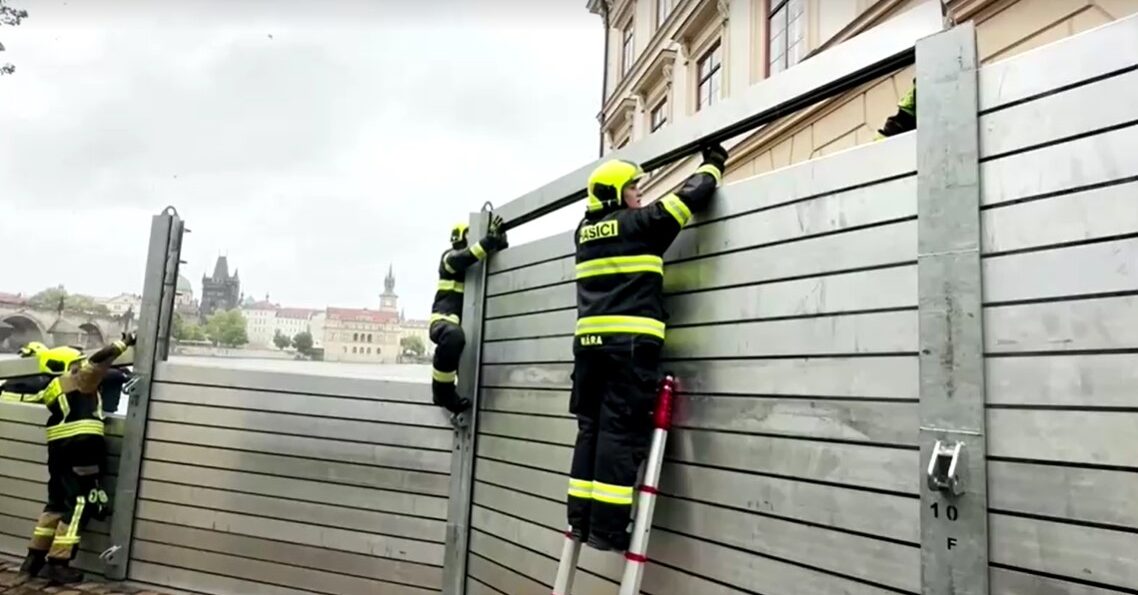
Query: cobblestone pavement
[[39, 586]]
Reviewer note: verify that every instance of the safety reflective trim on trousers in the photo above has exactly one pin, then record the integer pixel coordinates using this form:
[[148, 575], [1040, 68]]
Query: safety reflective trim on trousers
[[612, 494], [674, 205], [44, 531], [65, 540], [76, 516], [713, 171], [455, 286], [478, 251], [440, 376], [75, 428], [581, 488], [452, 318], [620, 265], [609, 325]]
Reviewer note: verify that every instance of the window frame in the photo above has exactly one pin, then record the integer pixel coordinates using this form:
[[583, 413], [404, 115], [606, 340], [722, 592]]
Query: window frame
[[714, 49], [663, 10], [784, 7], [627, 48], [661, 108]]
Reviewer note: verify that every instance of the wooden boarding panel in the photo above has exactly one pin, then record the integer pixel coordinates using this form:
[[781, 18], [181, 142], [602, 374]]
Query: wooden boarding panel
[[1102, 556], [1090, 324], [1097, 496]]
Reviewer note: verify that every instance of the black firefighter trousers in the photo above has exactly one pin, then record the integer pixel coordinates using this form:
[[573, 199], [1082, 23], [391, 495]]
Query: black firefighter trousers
[[613, 396], [449, 342], [75, 494]]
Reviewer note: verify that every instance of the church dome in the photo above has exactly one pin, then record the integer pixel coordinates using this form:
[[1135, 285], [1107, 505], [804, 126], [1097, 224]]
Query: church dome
[[184, 286]]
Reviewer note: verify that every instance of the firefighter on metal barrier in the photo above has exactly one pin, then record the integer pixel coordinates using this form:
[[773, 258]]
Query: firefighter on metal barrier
[[446, 313], [76, 458], [906, 117], [619, 334]]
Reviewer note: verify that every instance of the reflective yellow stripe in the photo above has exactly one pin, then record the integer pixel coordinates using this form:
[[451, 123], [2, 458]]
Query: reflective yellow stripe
[[446, 265], [611, 494], [75, 428], [678, 209], [51, 393], [593, 204], [620, 265], [455, 286], [478, 251], [445, 317], [120, 346], [908, 102], [64, 406], [440, 376], [73, 528], [66, 540], [607, 325], [580, 488], [43, 532], [711, 169]]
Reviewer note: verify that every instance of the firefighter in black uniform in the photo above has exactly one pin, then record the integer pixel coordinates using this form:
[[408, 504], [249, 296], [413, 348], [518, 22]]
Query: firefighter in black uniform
[[446, 313], [905, 119], [619, 334], [76, 458]]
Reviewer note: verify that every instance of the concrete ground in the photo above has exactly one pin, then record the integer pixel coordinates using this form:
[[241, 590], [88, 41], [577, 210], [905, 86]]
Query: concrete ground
[[8, 570]]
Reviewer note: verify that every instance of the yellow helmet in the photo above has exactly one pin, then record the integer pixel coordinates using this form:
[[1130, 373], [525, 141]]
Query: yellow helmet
[[31, 349], [58, 359], [458, 233], [608, 181]]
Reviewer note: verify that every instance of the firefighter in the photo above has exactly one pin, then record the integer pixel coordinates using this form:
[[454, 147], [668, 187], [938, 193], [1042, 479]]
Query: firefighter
[[906, 117], [446, 313], [619, 334], [25, 388], [76, 458]]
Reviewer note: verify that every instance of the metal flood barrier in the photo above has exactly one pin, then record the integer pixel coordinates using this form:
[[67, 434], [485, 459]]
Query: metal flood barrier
[[905, 368]]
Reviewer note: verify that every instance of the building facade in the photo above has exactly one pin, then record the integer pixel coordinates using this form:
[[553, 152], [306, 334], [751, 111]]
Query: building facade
[[364, 335], [122, 303], [220, 291], [260, 322], [668, 59]]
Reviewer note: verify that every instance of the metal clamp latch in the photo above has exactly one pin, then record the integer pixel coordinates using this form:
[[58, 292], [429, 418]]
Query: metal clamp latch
[[108, 555], [942, 473]]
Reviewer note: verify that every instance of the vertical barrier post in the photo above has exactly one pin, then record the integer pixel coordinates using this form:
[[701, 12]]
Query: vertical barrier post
[[954, 491], [158, 291], [462, 456]]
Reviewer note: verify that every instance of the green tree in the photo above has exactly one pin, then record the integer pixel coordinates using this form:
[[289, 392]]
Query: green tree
[[303, 343], [49, 299], [227, 328], [11, 17], [181, 330], [413, 344], [281, 341]]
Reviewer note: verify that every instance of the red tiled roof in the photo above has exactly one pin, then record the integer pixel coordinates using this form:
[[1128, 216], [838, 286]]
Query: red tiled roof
[[12, 298], [362, 315], [262, 305], [304, 313]]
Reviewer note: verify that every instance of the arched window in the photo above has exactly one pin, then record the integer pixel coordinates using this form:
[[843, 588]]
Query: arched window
[[353, 350], [369, 350], [369, 337], [355, 336]]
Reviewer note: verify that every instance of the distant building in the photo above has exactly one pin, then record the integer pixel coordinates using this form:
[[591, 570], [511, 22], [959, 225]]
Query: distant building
[[361, 335], [260, 322], [122, 303], [221, 291], [388, 300], [184, 302]]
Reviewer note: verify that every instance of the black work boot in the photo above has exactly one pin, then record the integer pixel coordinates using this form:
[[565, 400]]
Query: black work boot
[[30, 569], [608, 543], [59, 572]]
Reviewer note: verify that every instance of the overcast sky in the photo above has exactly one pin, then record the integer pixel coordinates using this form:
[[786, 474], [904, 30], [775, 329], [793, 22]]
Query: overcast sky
[[312, 142]]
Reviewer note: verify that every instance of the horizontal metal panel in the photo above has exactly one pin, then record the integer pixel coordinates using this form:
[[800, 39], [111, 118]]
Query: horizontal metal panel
[[36, 451], [536, 567], [532, 277], [1092, 160], [32, 434], [531, 252], [325, 559], [339, 384], [17, 546], [20, 507], [501, 577], [515, 400], [311, 491], [878, 50], [27, 471], [1106, 323], [1061, 115], [283, 507], [317, 448], [846, 464], [304, 425], [22, 488], [1060, 63], [1076, 380], [544, 429], [1104, 267], [876, 377], [421, 414], [93, 539], [560, 322], [882, 422], [25, 413], [1087, 215], [546, 484], [1011, 582], [554, 458], [473, 587], [554, 349], [1079, 494], [562, 295], [317, 470], [1059, 549], [172, 577], [360, 542], [1094, 437], [265, 572]]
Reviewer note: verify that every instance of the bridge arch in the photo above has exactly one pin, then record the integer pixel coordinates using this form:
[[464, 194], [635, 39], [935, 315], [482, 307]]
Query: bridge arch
[[24, 329], [92, 335]]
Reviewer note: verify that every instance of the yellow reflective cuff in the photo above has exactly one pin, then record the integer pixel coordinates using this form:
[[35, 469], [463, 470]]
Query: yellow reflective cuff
[[632, 325], [612, 494], [75, 428], [455, 286], [478, 251], [712, 171], [120, 346], [43, 532], [452, 318], [580, 488], [620, 265], [440, 376], [680, 211]]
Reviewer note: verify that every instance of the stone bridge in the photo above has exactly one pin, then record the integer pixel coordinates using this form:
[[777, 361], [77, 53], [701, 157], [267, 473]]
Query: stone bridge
[[20, 324]]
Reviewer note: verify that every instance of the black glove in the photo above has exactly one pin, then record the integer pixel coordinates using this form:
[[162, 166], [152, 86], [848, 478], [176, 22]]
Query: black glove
[[716, 155], [496, 223], [129, 339], [495, 241]]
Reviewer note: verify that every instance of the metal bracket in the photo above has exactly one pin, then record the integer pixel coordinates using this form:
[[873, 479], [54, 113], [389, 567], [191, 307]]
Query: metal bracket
[[942, 473], [108, 554]]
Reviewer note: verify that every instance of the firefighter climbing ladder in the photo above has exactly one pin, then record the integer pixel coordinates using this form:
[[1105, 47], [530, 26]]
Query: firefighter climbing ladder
[[636, 556]]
